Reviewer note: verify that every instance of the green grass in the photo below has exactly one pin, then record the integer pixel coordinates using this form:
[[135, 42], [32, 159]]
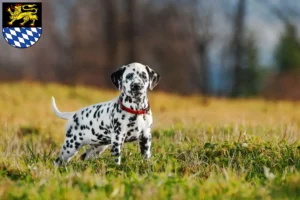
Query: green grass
[[202, 149]]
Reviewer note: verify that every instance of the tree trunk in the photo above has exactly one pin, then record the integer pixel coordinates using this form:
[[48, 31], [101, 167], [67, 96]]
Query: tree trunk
[[131, 31], [111, 25], [238, 47]]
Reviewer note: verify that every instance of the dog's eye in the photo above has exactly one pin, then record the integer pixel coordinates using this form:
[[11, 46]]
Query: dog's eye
[[129, 76], [143, 76]]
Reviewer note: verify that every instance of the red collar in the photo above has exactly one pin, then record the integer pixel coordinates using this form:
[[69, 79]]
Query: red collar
[[137, 112]]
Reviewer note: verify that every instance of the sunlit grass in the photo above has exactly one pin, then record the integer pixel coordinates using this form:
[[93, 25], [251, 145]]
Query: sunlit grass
[[202, 149]]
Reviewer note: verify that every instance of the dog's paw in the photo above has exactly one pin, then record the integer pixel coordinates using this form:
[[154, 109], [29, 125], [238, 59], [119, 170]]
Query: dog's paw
[[57, 162], [118, 161], [147, 156]]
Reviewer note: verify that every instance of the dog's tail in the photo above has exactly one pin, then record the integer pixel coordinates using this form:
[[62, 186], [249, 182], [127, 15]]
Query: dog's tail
[[63, 115]]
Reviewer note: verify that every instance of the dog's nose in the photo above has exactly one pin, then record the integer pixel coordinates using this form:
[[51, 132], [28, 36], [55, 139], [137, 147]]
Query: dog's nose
[[136, 86]]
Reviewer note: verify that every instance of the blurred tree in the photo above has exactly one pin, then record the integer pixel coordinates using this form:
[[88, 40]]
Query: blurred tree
[[168, 45], [111, 37], [285, 83], [93, 42], [43, 67], [287, 54], [241, 56], [251, 73], [238, 47], [202, 24], [131, 32]]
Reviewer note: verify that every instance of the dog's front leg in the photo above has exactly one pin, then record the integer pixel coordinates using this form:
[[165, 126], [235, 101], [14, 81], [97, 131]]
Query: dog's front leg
[[116, 145], [145, 143]]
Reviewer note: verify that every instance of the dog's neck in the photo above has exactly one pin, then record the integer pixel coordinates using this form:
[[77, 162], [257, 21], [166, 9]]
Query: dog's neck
[[134, 103]]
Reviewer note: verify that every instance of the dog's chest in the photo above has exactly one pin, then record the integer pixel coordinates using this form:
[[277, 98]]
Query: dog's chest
[[134, 126], [103, 123]]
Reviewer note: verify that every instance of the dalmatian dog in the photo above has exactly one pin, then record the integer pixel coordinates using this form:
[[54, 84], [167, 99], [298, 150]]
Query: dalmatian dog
[[124, 119]]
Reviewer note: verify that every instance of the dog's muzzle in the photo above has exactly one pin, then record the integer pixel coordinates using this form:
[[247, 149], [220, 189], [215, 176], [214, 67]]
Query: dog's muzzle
[[136, 87]]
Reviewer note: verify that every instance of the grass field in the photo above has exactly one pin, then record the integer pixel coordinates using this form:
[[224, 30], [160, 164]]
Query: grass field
[[202, 149]]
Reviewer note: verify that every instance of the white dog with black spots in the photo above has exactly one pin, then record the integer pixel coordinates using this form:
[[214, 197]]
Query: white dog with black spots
[[126, 118]]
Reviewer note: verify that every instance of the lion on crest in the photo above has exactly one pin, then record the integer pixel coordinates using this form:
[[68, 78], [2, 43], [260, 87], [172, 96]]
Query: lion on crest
[[18, 14]]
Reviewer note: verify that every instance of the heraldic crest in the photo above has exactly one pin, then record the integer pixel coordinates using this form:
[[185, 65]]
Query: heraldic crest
[[22, 23]]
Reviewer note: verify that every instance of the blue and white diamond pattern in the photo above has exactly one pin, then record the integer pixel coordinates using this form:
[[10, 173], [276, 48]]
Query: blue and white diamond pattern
[[22, 37]]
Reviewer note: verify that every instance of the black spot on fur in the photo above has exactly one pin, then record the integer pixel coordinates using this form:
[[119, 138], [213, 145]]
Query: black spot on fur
[[143, 144], [128, 99], [77, 144], [133, 118], [130, 124], [69, 132], [76, 120], [99, 137], [115, 143], [95, 113], [117, 125]]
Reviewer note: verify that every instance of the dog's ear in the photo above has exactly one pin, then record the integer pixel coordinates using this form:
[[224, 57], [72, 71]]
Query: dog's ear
[[116, 77], [153, 77]]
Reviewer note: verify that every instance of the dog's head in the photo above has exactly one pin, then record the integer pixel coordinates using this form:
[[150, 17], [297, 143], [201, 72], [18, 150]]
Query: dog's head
[[134, 79]]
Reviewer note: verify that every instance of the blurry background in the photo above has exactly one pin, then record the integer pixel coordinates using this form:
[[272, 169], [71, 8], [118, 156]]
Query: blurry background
[[231, 48]]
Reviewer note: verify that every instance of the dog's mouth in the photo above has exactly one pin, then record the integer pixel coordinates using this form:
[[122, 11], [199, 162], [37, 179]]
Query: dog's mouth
[[136, 92]]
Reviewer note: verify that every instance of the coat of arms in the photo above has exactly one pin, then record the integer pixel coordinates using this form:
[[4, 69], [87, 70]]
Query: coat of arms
[[22, 23]]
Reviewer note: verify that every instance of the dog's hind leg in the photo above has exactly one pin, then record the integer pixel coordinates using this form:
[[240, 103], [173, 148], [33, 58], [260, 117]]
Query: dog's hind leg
[[68, 150], [93, 151]]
